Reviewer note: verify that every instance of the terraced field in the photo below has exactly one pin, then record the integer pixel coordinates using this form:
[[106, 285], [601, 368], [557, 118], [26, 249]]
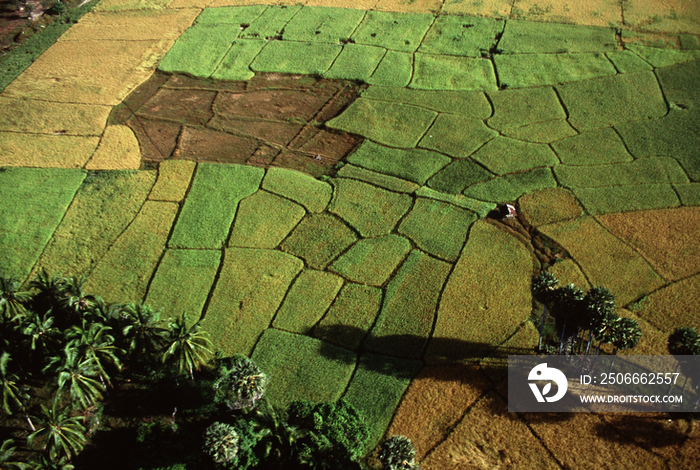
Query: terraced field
[[206, 157]]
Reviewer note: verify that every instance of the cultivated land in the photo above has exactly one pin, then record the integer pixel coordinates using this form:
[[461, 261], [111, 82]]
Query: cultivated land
[[200, 155]]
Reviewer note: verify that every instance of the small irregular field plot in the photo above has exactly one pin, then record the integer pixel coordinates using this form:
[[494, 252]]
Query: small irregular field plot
[[358, 198]]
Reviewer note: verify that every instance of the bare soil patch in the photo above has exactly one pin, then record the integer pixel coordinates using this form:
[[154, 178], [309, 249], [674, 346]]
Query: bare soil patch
[[270, 120]]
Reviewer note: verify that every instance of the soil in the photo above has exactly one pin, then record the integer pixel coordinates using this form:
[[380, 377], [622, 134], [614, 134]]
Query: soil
[[270, 120]]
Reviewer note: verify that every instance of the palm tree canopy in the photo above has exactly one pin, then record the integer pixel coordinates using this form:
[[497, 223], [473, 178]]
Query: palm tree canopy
[[625, 334], [543, 287], [189, 348], [14, 395], [12, 300], [62, 435], [684, 341]]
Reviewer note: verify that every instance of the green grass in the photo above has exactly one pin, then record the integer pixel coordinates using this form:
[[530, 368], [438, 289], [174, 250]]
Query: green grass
[[458, 175], [250, 288], [628, 97], [689, 193], [255, 228], [85, 234], [410, 303], [302, 368], [592, 148], [532, 70], [292, 57], [466, 103], [371, 261], [527, 37], [183, 281], [378, 179], [396, 31], [512, 186], [395, 70], [126, 269], [211, 205], [319, 239], [663, 57], [311, 193], [356, 62], [457, 136], [307, 300], [236, 63], [638, 197], [505, 155], [459, 35], [271, 23], [480, 207], [323, 24], [437, 227], [376, 389], [656, 170], [372, 211], [414, 165], [200, 49], [628, 61], [351, 316], [442, 72], [516, 108], [473, 315], [392, 124], [18, 59], [34, 202]]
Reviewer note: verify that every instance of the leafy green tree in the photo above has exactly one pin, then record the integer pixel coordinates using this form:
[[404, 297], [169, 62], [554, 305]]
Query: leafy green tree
[[189, 347], [240, 384], [14, 395], [12, 300], [625, 334], [337, 433], [398, 453], [221, 442], [79, 375], [682, 343], [60, 435]]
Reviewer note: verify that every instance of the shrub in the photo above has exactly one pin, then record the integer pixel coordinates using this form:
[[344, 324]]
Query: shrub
[[398, 453]]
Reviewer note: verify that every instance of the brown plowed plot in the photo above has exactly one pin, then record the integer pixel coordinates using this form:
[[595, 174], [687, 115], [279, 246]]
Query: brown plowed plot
[[271, 120]]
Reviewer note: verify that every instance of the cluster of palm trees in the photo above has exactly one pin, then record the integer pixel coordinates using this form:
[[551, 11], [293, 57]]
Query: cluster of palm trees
[[573, 314], [56, 335]]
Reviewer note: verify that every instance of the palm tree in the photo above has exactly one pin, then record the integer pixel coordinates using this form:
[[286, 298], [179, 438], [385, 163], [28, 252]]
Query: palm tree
[[40, 334], [94, 342], [12, 300], [543, 288], [398, 453], [241, 384], [50, 291], [44, 463], [7, 450], [567, 309], [221, 442], [625, 334], [603, 328], [62, 435], [189, 348], [684, 341], [79, 304], [145, 332], [597, 303], [79, 375], [14, 395]]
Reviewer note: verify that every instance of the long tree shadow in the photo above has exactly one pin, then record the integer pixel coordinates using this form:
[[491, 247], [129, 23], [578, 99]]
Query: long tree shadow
[[429, 359]]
